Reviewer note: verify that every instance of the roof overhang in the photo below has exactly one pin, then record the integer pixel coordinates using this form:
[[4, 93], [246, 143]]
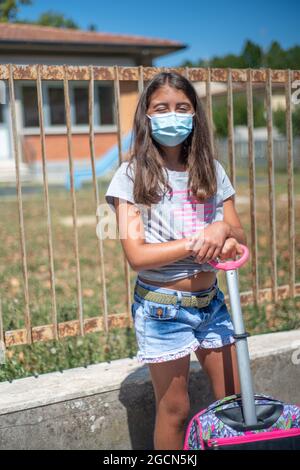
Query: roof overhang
[[31, 47]]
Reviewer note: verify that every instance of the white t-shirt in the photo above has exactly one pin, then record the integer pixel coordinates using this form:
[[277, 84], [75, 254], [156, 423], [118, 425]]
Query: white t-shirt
[[177, 215]]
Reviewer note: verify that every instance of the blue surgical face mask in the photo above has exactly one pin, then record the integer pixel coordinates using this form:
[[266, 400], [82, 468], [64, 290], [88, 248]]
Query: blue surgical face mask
[[171, 129]]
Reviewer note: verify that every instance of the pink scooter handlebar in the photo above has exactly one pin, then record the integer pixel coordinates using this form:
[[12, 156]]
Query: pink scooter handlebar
[[227, 265]]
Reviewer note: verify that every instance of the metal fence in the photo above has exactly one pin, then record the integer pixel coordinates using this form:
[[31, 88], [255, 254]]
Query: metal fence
[[280, 149], [82, 326]]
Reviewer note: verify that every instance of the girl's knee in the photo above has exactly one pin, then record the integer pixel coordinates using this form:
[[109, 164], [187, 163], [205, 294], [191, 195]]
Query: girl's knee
[[175, 408]]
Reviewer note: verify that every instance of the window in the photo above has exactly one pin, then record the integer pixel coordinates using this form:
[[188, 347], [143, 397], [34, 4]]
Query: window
[[57, 105], [81, 105], [54, 106], [30, 106], [106, 105]]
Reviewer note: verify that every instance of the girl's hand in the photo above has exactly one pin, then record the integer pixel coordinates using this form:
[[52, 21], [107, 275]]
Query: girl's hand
[[209, 242], [230, 249]]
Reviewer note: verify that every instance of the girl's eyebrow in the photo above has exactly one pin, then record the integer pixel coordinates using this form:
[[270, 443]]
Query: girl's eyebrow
[[184, 102], [180, 103]]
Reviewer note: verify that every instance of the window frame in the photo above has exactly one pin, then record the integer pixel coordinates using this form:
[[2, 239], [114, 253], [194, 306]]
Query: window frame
[[62, 129]]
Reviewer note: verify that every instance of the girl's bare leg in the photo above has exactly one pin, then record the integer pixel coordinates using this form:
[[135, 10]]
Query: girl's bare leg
[[170, 382], [221, 366]]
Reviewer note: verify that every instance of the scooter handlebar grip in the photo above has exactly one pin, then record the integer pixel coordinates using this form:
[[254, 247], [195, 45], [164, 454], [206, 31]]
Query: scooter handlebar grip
[[232, 264]]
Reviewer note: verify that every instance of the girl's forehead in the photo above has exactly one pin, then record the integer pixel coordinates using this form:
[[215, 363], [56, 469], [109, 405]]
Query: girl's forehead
[[168, 93]]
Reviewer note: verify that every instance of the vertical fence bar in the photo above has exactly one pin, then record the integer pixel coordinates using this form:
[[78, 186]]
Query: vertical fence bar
[[209, 112], [2, 337], [290, 189], [230, 140], [117, 111], [96, 194], [47, 203], [272, 213], [74, 207], [20, 203], [141, 80], [251, 157]]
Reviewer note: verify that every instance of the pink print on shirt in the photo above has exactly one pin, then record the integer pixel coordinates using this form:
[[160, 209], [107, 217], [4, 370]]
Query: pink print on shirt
[[191, 214]]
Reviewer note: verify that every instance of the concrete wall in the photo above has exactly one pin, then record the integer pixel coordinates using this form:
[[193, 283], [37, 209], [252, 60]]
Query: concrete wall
[[111, 405]]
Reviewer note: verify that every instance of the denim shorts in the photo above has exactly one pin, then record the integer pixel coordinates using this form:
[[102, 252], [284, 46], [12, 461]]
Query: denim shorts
[[179, 330]]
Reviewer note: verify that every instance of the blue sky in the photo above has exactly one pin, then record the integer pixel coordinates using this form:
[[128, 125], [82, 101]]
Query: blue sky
[[208, 28]]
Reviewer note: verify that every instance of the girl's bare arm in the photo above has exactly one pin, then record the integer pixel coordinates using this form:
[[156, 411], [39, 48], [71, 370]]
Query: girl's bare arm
[[232, 219], [142, 255]]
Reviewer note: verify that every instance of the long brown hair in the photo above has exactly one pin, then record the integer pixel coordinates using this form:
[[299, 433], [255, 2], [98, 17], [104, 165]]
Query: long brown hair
[[146, 154]]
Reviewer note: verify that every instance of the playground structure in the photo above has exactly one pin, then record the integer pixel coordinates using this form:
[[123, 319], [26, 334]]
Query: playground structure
[[102, 165]]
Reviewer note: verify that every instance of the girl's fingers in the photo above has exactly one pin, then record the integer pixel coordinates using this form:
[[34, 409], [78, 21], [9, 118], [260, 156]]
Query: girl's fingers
[[229, 249], [231, 253], [205, 253], [210, 255], [216, 254], [202, 253], [207, 256], [239, 249]]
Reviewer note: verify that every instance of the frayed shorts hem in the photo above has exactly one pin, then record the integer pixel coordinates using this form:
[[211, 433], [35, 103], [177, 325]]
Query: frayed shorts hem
[[171, 356], [205, 344], [217, 343]]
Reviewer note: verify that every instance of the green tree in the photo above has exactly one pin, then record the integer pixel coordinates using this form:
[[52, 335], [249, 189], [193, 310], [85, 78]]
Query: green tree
[[252, 55], [9, 9], [229, 60], [279, 121], [293, 58], [275, 56], [239, 114], [92, 27], [57, 20]]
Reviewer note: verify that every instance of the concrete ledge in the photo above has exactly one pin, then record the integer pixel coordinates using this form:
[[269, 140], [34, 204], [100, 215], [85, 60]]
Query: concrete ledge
[[112, 405]]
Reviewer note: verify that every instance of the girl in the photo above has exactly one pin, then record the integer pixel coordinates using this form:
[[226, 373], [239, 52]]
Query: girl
[[175, 212]]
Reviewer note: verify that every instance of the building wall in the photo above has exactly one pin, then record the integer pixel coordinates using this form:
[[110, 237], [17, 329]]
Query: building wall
[[129, 99], [57, 146]]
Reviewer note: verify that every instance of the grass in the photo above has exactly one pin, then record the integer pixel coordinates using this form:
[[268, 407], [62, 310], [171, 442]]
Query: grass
[[39, 358]]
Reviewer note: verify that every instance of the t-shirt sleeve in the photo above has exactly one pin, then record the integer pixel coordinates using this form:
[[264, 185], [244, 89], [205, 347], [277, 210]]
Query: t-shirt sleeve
[[227, 188], [121, 186]]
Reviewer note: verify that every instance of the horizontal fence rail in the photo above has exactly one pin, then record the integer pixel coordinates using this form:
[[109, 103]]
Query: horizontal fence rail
[[38, 73]]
